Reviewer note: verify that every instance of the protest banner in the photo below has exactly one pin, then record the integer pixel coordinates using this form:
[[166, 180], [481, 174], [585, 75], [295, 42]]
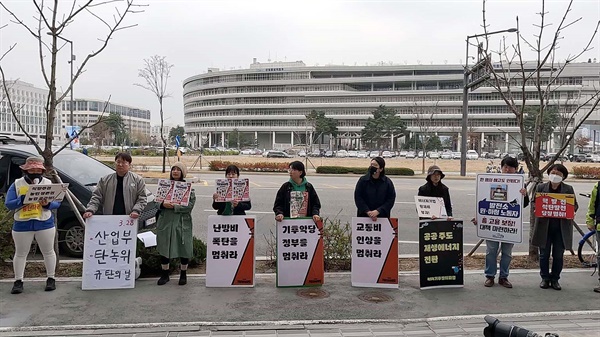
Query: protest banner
[[374, 252], [109, 252], [500, 207], [173, 192], [300, 253], [430, 206], [50, 192], [230, 251], [441, 254], [555, 205]]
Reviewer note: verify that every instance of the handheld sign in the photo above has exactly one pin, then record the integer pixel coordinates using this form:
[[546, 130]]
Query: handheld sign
[[375, 252], [50, 192], [230, 251], [500, 207], [441, 254], [173, 192], [232, 189], [300, 258], [555, 205], [430, 206], [109, 252]]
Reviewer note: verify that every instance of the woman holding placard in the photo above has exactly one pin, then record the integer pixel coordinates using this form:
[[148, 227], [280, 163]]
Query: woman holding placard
[[297, 197], [33, 220], [435, 188], [231, 207], [174, 237], [375, 194]]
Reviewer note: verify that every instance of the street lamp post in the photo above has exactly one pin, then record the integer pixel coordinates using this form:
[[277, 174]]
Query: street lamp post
[[71, 84], [463, 143]]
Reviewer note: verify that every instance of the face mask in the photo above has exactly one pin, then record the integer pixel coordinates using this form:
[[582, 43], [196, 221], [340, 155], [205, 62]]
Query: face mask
[[33, 178], [372, 170], [555, 178]]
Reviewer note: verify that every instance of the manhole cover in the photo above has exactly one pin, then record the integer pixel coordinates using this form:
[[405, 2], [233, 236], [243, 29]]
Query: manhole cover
[[312, 293], [375, 297]]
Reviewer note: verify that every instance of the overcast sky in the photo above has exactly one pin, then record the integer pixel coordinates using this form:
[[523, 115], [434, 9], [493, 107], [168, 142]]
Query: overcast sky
[[197, 34]]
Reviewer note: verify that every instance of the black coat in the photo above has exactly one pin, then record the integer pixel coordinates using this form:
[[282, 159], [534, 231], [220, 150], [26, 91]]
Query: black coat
[[240, 209], [282, 200], [439, 191], [374, 194]]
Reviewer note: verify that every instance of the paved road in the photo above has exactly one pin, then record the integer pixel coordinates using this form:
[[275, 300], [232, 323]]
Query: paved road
[[337, 199]]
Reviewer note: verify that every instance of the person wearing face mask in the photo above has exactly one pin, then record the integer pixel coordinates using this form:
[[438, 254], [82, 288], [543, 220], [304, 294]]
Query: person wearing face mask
[[435, 188], [32, 221], [174, 238], [231, 207], [553, 235], [374, 195], [310, 203]]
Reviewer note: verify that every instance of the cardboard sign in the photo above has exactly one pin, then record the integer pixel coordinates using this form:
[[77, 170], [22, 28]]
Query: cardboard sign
[[555, 205], [50, 192], [232, 189], [173, 192], [374, 252], [500, 207], [230, 251], [441, 254], [430, 206], [300, 253], [109, 252]]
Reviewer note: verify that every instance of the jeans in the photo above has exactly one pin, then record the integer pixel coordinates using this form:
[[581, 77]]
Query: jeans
[[491, 253], [555, 247]]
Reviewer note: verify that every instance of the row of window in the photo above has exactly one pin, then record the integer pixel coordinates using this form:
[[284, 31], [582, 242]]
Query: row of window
[[100, 106]]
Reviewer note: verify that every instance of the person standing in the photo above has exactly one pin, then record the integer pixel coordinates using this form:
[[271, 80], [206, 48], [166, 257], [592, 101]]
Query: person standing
[[508, 165], [174, 238], [32, 221], [119, 193], [374, 195], [592, 220], [305, 199], [435, 188], [231, 207], [553, 235]]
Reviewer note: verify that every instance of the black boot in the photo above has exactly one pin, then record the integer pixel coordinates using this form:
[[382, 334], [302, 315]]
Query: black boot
[[164, 277], [183, 277], [50, 284]]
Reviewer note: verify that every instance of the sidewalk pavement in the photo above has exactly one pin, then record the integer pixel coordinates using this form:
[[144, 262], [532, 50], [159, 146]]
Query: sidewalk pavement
[[343, 310]]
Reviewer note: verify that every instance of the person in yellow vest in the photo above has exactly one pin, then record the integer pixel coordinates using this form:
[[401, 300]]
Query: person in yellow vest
[[32, 221]]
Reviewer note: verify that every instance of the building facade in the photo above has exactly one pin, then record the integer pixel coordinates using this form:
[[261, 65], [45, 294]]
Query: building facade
[[269, 102], [87, 112], [155, 132], [30, 102]]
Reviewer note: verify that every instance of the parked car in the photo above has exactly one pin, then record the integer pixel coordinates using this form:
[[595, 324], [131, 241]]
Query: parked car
[[403, 153], [246, 151], [373, 154], [277, 154], [446, 155], [82, 173], [386, 154], [421, 154], [352, 154], [433, 155], [456, 155], [363, 154], [551, 155], [328, 153], [472, 155], [592, 158], [341, 154], [411, 155], [579, 158]]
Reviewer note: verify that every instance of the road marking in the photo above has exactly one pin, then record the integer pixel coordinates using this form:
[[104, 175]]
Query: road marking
[[330, 186], [253, 183], [405, 202]]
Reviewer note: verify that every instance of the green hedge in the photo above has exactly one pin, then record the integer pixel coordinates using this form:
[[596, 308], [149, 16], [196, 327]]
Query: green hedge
[[398, 171], [7, 248]]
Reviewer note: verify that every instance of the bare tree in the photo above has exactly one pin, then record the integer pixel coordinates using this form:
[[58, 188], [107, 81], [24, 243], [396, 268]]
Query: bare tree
[[51, 24], [156, 73], [423, 117], [511, 76]]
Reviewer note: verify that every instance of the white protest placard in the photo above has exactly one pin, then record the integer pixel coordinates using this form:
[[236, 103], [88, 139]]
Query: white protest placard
[[173, 192], [500, 207], [109, 252], [50, 192], [232, 189], [230, 251], [374, 252], [300, 253], [430, 206]]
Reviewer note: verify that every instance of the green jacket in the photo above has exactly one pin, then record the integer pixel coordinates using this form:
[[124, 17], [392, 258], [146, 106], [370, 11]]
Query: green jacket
[[174, 230], [592, 208]]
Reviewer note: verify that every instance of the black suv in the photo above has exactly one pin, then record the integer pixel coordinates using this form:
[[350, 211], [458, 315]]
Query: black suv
[[82, 173]]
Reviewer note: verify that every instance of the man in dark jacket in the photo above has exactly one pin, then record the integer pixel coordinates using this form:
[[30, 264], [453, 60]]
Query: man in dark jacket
[[435, 188], [374, 194]]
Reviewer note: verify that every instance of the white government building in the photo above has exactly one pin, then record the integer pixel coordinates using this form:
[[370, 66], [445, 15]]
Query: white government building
[[30, 102], [269, 101]]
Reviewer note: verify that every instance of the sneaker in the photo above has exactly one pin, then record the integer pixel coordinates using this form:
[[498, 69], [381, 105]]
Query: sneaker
[[505, 282], [50, 284], [17, 287], [597, 289], [489, 281]]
